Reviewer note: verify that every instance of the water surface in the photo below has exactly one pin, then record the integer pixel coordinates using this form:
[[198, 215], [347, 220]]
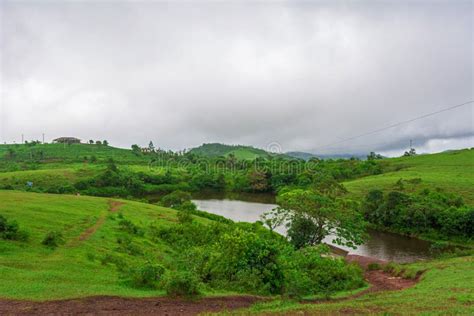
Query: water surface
[[249, 207]]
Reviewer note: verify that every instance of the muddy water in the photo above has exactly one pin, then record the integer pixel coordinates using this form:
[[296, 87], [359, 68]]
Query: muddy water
[[249, 207]]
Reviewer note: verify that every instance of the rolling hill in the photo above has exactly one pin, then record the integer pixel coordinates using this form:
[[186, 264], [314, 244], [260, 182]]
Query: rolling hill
[[239, 151], [82, 266], [452, 171]]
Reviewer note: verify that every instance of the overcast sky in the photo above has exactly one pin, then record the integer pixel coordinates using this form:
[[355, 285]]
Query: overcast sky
[[289, 75]]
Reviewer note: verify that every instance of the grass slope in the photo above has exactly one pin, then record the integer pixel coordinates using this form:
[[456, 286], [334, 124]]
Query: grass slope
[[73, 152], [451, 171], [30, 270], [447, 287]]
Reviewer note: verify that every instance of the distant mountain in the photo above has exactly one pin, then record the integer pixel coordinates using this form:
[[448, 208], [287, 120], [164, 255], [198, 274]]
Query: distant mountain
[[307, 156], [239, 151]]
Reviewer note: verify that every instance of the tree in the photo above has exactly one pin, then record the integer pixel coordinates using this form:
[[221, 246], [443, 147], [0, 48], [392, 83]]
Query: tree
[[274, 218], [411, 152], [312, 216], [374, 156], [136, 150], [151, 146], [258, 181], [91, 141], [98, 142], [105, 143]]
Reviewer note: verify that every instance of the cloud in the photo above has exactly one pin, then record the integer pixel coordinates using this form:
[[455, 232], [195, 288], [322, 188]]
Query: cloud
[[301, 74]]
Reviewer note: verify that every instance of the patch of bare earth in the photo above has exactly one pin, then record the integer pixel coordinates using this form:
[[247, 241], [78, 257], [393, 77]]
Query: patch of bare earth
[[379, 280], [105, 305], [114, 206]]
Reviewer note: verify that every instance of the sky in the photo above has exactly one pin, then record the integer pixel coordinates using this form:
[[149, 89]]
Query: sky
[[283, 76]]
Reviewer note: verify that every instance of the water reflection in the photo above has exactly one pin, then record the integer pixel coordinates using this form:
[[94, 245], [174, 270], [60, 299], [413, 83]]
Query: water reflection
[[248, 208]]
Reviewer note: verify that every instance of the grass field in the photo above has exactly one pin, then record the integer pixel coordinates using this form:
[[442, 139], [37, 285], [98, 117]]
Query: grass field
[[450, 171], [30, 270], [446, 288], [74, 152]]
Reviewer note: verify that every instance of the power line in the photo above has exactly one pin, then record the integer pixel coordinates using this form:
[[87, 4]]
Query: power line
[[395, 125]]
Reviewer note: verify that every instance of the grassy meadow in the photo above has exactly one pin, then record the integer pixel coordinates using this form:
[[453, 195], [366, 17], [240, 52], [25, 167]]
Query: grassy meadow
[[451, 171], [89, 226]]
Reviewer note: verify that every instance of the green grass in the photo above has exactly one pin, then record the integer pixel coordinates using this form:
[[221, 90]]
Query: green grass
[[451, 171], [446, 288], [51, 153], [30, 270]]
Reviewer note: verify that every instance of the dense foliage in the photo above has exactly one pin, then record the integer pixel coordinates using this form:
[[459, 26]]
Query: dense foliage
[[248, 258], [430, 211]]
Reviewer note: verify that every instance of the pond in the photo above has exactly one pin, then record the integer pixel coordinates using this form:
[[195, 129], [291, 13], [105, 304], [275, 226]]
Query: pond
[[249, 207]]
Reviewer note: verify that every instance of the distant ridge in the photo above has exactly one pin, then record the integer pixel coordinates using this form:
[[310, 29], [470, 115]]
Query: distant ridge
[[307, 156], [239, 151]]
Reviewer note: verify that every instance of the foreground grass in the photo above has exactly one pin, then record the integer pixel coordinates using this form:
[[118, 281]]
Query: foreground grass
[[447, 287], [29, 270]]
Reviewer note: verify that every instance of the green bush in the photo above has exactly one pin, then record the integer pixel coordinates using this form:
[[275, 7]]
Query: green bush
[[147, 275], [129, 227], [10, 230], [53, 239], [181, 283], [374, 266], [184, 217], [307, 272]]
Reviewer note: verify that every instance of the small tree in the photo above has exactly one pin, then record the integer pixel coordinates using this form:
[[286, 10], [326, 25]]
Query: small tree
[[91, 141], [314, 216], [98, 142], [136, 149], [274, 218], [151, 147], [105, 143]]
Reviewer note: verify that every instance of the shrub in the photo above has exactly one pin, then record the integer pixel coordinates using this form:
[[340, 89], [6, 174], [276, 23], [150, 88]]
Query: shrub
[[53, 239], [373, 266], [181, 284], [128, 246], [147, 275], [129, 227], [308, 272], [10, 230], [176, 199], [184, 217]]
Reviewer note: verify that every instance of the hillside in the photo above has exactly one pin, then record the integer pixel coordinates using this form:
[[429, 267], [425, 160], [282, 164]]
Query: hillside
[[451, 171], [239, 151], [51, 153], [79, 267]]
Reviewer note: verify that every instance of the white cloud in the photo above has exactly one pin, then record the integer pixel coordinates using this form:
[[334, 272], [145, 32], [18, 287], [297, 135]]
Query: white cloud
[[300, 74]]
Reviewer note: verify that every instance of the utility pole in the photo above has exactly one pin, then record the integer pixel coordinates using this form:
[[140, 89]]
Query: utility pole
[[411, 144], [43, 138], [22, 139]]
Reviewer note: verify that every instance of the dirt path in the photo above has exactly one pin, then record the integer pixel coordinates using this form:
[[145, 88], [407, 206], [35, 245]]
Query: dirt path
[[106, 305], [114, 206], [379, 280]]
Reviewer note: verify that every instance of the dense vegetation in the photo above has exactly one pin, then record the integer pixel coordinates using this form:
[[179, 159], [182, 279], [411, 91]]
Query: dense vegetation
[[89, 246], [428, 212], [101, 170]]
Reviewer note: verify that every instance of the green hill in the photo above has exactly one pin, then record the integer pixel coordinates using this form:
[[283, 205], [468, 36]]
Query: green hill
[[451, 171], [239, 151], [51, 153], [90, 229]]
